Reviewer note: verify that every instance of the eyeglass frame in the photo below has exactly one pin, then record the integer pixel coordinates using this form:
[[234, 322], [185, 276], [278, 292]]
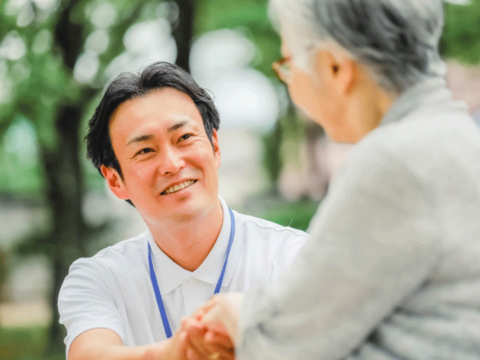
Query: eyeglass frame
[[282, 70]]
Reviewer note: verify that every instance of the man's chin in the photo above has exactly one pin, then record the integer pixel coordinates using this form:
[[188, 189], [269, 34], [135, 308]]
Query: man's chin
[[184, 218], [187, 209], [193, 209]]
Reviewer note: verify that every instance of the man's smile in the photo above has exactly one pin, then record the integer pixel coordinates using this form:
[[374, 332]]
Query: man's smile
[[177, 187]]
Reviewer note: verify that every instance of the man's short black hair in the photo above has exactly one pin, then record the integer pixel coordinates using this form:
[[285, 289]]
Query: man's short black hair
[[129, 86]]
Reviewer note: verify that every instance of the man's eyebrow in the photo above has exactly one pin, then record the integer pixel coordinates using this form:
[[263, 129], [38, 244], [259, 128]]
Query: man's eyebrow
[[171, 129], [177, 126], [140, 139]]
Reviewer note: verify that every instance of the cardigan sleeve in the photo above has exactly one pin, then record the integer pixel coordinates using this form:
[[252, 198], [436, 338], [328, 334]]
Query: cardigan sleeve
[[373, 242]]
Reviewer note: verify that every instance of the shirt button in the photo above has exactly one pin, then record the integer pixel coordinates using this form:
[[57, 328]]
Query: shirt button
[[191, 282]]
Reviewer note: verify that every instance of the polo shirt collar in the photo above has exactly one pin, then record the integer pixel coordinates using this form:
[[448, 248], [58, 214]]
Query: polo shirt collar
[[170, 275]]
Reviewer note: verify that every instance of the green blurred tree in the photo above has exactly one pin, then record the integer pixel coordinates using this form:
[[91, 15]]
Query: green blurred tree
[[461, 35], [248, 16], [251, 18]]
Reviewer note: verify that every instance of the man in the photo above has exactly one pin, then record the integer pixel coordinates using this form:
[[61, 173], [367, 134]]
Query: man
[[154, 139]]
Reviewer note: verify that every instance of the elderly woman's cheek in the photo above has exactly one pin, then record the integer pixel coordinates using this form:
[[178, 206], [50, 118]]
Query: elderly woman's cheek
[[303, 94]]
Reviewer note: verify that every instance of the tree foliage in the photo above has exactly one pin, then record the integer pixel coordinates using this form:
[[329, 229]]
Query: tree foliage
[[461, 36], [249, 16]]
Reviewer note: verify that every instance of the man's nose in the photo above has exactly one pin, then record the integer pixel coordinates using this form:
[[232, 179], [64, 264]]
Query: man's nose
[[172, 161]]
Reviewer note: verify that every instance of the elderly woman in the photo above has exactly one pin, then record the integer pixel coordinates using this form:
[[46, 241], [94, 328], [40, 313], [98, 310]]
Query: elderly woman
[[392, 269]]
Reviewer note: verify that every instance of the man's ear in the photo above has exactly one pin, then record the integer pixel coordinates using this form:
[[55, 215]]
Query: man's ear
[[338, 72], [115, 182], [216, 148]]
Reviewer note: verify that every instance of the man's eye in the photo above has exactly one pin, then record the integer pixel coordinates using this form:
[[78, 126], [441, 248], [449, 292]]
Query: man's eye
[[144, 151], [185, 137]]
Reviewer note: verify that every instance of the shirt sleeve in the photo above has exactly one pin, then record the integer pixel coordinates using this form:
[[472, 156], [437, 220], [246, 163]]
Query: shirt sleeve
[[287, 250], [373, 242], [86, 301]]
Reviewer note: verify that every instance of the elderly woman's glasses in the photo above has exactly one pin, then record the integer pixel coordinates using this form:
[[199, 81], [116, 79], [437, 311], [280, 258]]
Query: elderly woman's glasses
[[282, 69]]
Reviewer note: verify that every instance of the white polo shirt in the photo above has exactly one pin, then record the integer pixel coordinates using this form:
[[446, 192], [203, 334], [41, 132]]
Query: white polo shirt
[[113, 289]]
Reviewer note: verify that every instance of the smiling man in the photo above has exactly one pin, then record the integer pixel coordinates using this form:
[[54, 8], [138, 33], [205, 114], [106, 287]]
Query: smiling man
[[154, 139]]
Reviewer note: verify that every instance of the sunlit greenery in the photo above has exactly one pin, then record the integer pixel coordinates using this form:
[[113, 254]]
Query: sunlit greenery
[[25, 344], [296, 215], [461, 37]]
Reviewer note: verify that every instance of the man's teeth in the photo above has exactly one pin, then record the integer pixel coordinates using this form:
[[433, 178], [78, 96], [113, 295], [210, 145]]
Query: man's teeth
[[179, 187]]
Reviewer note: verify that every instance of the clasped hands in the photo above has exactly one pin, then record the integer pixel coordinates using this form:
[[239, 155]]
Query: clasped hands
[[211, 332]]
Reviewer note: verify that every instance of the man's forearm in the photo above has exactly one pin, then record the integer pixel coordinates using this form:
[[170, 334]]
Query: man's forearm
[[119, 352], [105, 344]]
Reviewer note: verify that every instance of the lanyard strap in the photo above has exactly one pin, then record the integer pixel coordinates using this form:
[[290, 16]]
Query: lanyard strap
[[156, 289]]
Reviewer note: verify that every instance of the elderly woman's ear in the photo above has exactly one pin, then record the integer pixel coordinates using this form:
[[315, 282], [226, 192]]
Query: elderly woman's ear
[[336, 72]]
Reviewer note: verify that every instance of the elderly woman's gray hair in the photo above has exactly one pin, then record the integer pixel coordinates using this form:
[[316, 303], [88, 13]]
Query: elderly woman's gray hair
[[397, 40]]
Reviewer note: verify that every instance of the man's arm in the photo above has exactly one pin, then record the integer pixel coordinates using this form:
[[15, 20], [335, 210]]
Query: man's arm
[[106, 344]]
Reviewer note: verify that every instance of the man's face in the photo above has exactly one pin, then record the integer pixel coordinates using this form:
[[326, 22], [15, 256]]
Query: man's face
[[168, 164]]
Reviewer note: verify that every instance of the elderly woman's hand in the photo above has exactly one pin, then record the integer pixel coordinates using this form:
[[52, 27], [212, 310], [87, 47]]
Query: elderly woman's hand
[[221, 313]]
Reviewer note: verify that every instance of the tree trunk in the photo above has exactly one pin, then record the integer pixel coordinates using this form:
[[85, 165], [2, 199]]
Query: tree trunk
[[183, 32], [65, 193], [272, 156], [63, 171]]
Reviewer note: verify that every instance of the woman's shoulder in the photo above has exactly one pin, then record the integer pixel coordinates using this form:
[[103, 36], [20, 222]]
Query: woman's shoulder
[[425, 140], [424, 131]]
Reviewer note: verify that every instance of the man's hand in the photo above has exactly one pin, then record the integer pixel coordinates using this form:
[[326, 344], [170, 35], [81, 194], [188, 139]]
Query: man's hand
[[174, 348], [206, 344], [212, 329]]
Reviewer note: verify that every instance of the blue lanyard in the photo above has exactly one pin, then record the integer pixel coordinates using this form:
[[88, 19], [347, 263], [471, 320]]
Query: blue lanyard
[[156, 289]]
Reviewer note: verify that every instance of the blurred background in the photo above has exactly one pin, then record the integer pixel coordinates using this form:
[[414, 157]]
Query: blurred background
[[56, 57]]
